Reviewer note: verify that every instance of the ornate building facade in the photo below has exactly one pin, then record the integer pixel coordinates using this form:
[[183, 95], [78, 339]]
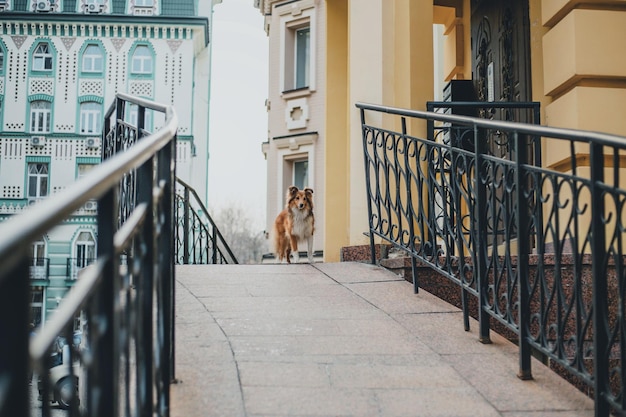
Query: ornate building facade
[[386, 52], [61, 64]]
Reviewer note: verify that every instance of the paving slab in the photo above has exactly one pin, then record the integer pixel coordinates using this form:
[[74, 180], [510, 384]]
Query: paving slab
[[342, 339]]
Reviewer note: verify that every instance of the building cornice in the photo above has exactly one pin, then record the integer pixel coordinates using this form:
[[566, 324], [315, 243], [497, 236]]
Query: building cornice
[[111, 25]]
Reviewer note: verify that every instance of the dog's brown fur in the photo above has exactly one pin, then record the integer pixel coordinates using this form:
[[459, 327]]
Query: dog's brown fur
[[295, 223]]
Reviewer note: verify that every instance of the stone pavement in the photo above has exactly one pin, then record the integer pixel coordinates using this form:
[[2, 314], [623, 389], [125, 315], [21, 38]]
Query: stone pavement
[[342, 339]]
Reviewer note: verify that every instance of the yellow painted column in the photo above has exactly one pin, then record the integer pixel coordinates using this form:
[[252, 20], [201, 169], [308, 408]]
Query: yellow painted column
[[336, 147]]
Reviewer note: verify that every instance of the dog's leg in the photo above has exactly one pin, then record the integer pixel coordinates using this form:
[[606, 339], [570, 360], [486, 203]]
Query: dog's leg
[[294, 248], [309, 243]]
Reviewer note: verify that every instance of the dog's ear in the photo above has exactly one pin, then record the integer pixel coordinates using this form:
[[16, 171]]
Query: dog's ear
[[291, 192], [308, 190]]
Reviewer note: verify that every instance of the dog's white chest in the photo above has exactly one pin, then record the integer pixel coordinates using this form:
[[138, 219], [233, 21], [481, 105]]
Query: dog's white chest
[[302, 226]]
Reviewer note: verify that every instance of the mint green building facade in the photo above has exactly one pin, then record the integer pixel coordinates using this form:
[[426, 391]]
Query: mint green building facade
[[61, 64]]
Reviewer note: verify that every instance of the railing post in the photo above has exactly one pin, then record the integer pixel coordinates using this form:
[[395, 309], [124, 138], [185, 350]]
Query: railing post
[[144, 249], [215, 247], [167, 253], [368, 189], [409, 206], [523, 249], [14, 366], [186, 208], [599, 274], [480, 243], [102, 398]]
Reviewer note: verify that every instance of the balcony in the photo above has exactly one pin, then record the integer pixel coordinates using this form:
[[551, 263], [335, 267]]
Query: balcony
[[39, 269], [75, 265]]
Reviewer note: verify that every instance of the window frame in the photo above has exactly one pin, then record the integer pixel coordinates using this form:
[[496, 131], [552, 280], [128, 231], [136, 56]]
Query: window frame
[[148, 57], [84, 249], [47, 57], [305, 179], [89, 60], [301, 71], [90, 116], [289, 26], [40, 121], [41, 181]]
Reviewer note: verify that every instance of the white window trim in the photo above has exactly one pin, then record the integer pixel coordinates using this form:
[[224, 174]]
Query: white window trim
[[90, 117], [284, 155], [290, 19], [92, 59], [39, 191], [142, 59], [45, 114], [42, 57]]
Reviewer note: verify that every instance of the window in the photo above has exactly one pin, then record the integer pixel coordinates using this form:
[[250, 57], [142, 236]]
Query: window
[[38, 264], [1, 60], [301, 54], [85, 249], [93, 59], [297, 60], [144, 3], [38, 251], [301, 174], [40, 113], [83, 169], [90, 116], [36, 305], [147, 120], [42, 57], [37, 180], [141, 62]]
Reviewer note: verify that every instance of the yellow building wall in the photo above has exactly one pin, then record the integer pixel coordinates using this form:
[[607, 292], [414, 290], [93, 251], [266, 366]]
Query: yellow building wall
[[578, 75], [387, 61], [337, 149]]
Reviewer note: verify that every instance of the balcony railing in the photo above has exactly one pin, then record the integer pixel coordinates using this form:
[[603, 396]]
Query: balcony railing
[[539, 243], [75, 265], [39, 268], [126, 355]]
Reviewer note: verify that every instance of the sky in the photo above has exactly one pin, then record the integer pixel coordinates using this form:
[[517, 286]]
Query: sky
[[237, 114]]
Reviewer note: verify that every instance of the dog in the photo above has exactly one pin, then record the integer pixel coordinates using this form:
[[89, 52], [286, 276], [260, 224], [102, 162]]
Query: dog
[[295, 223]]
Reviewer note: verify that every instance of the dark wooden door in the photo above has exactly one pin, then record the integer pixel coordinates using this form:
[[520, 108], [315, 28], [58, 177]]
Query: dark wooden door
[[501, 73], [501, 53]]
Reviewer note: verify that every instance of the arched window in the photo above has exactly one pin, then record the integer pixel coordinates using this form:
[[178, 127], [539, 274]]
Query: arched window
[[84, 252], [42, 57], [93, 59], [141, 61], [85, 249]]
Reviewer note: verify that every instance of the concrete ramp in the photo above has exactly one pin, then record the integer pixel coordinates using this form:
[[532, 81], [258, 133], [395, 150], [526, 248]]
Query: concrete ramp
[[342, 339]]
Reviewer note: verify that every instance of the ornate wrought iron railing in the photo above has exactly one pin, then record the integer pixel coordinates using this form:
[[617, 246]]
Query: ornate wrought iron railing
[[198, 240], [539, 243], [123, 362]]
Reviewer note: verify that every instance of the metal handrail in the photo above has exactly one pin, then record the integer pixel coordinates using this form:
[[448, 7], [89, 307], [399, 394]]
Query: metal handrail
[[143, 238], [196, 241], [541, 245]]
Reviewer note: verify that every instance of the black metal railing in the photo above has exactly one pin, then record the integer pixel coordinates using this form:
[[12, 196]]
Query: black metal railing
[[123, 362], [198, 240], [75, 265], [539, 243]]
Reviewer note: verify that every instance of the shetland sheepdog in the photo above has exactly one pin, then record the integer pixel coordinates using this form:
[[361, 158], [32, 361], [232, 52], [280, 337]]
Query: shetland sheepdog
[[295, 223]]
